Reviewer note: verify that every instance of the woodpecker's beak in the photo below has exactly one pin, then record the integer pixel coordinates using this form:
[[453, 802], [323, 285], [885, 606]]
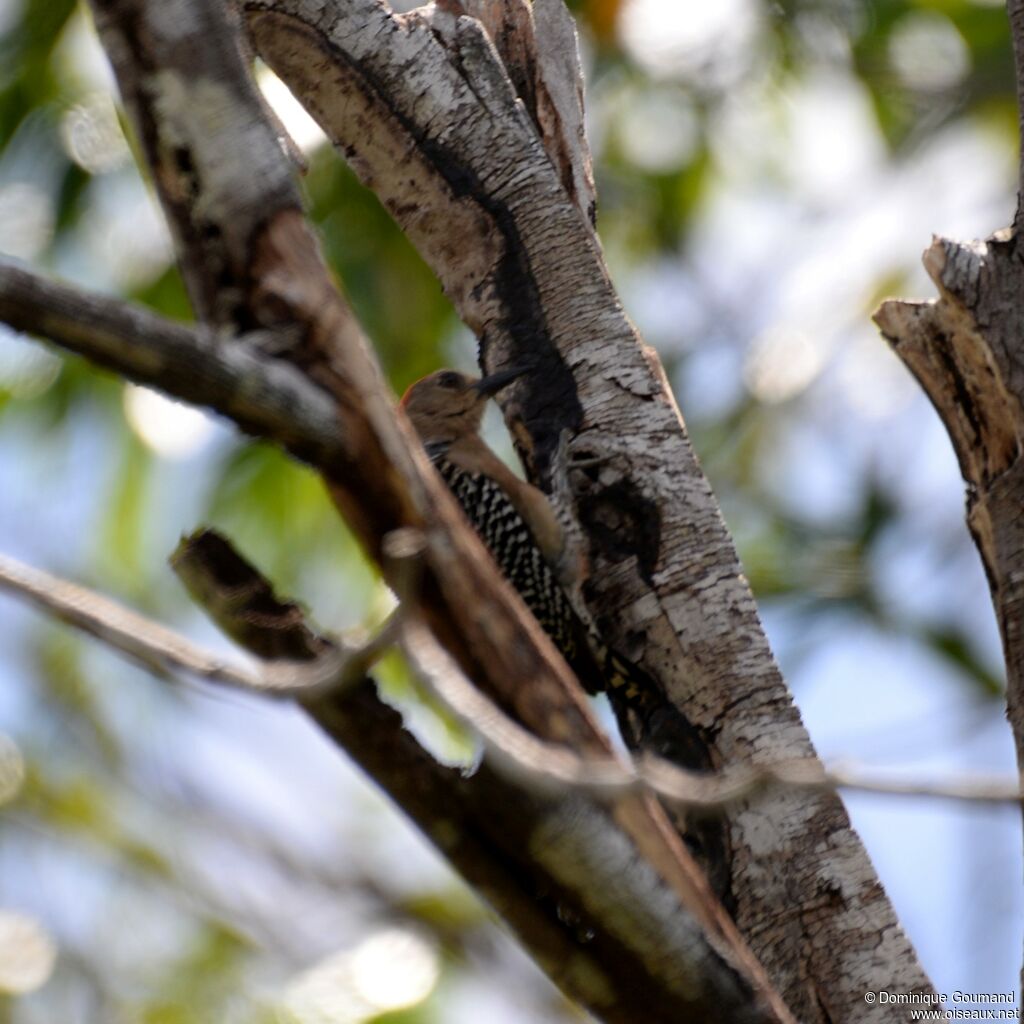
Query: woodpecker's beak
[[494, 382]]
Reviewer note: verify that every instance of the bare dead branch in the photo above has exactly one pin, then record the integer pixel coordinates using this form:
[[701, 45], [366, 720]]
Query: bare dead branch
[[965, 349], [266, 397]]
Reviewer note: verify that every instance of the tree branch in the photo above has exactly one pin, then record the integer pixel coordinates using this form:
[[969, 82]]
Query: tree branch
[[966, 350], [423, 109], [253, 264], [266, 397]]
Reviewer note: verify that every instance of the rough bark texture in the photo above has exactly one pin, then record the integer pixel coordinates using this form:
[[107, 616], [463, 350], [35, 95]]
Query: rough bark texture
[[966, 349], [213, 212], [422, 108], [500, 836], [252, 263], [266, 397]]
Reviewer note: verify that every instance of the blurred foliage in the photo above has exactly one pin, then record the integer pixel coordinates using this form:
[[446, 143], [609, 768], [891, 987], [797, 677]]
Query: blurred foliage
[[397, 298], [122, 825]]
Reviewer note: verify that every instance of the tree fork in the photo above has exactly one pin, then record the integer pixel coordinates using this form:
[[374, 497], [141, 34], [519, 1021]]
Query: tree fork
[[426, 112], [272, 275]]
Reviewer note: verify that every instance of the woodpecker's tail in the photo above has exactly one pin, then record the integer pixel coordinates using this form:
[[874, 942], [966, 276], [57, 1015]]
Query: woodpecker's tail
[[648, 718], [627, 681]]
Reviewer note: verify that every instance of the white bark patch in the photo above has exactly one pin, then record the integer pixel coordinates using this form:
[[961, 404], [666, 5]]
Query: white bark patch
[[191, 112], [636, 906]]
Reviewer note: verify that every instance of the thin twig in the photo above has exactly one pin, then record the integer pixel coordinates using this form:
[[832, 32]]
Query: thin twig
[[512, 748], [546, 765], [517, 752], [165, 652]]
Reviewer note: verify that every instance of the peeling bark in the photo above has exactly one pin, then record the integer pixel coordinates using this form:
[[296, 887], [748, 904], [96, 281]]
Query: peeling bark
[[965, 349]]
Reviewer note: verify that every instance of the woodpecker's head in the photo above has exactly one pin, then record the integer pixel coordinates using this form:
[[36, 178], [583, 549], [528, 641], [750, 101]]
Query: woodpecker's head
[[447, 405]]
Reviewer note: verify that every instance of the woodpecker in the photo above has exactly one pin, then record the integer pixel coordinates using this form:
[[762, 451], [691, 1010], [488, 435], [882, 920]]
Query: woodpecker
[[518, 525], [514, 519]]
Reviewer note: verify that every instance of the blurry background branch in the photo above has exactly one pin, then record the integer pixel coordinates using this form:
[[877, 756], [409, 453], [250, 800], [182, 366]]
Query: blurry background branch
[[248, 611]]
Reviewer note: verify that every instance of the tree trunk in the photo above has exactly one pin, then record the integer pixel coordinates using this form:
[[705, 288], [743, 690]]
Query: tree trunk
[[467, 120]]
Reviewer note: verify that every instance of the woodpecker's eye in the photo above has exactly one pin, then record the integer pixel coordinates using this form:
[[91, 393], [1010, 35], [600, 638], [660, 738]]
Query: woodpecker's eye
[[449, 379]]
